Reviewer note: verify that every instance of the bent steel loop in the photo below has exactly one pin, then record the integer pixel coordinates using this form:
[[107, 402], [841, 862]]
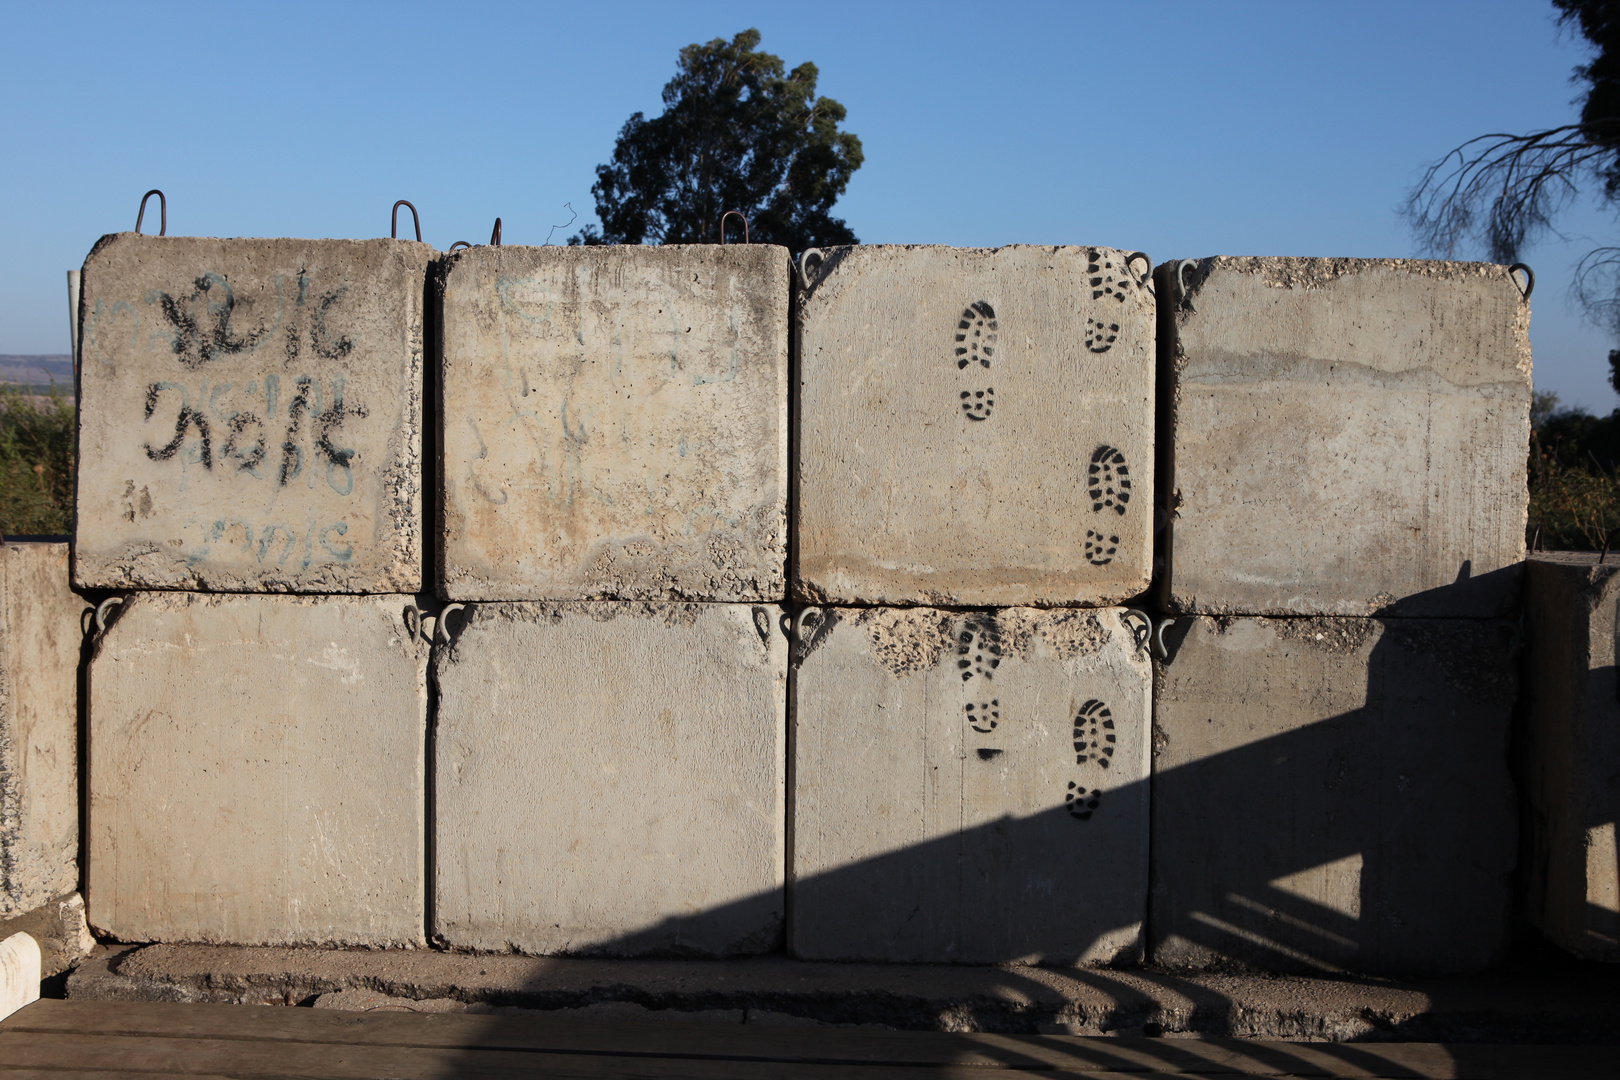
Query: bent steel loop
[[802, 264], [1529, 285], [814, 614], [1159, 648], [413, 620], [163, 213], [458, 243], [101, 611], [495, 237], [739, 215], [393, 230], [1142, 634], [442, 630], [1147, 275]]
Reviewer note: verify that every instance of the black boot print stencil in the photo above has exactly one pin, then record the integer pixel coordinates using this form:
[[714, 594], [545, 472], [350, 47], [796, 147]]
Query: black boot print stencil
[[1081, 801], [978, 648], [1108, 481], [1093, 734], [1100, 336], [974, 349], [1106, 279], [1100, 547], [983, 716]]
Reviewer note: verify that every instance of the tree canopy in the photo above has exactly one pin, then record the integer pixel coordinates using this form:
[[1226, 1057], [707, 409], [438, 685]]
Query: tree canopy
[[737, 133], [1503, 190]]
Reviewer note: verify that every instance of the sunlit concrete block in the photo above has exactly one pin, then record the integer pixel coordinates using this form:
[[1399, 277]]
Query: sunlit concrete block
[[1348, 436], [1332, 794], [615, 423], [970, 788], [976, 426], [257, 771], [250, 415], [610, 778]]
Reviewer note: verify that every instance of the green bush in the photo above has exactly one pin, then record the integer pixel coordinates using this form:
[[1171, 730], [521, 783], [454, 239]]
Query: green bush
[[36, 461]]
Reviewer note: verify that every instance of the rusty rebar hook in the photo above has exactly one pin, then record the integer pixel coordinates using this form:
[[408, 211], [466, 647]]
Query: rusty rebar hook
[[495, 237], [741, 217], [163, 211], [393, 229], [458, 244], [1529, 279]]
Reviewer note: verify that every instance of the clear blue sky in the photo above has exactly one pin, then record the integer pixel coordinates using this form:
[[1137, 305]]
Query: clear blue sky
[[1180, 129]]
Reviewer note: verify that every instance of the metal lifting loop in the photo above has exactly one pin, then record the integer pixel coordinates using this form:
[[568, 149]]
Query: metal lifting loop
[[101, 611], [815, 615], [1146, 280], [163, 213], [1182, 266], [737, 214], [442, 630], [1143, 633], [495, 237], [803, 264], [1159, 648], [1529, 279], [458, 243], [393, 230], [413, 620]]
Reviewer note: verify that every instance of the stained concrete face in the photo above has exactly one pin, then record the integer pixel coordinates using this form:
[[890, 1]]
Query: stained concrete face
[[256, 771], [250, 415], [40, 636], [976, 427], [1349, 436], [615, 423], [610, 779], [1570, 766], [970, 788], [1332, 794]]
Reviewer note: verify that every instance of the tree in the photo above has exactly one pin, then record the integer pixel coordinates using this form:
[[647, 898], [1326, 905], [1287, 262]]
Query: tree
[[1506, 189], [735, 134]]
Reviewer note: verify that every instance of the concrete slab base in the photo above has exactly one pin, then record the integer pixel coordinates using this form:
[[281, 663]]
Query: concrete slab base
[[1564, 1005]]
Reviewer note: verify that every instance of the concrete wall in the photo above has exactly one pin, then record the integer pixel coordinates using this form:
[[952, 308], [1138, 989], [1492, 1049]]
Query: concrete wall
[[250, 415], [256, 771], [610, 779], [615, 423], [39, 727], [1332, 794], [1570, 761], [970, 787], [975, 427], [1348, 436]]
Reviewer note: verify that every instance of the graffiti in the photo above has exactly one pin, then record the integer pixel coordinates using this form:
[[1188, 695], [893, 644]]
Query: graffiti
[[268, 542]]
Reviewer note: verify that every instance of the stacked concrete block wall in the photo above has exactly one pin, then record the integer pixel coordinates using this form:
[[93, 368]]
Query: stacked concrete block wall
[[1344, 482], [1569, 760], [976, 431]]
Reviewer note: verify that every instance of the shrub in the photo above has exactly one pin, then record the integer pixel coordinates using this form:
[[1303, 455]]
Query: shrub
[[36, 461]]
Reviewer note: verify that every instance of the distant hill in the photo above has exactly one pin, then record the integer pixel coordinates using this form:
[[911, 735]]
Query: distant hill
[[39, 371]]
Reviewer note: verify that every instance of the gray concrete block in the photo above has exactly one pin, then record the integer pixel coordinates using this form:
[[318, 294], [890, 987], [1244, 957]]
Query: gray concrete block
[[1348, 437], [250, 415], [1332, 794], [970, 787], [610, 779], [1570, 761], [40, 640], [976, 427], [615, 423], [257, 771]]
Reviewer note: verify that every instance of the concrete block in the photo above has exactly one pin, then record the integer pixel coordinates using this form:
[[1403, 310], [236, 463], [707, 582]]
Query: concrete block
[[250, 415], [1570, 762], [615, 423], [970, 787], [257, 771], [976, 427], [1332, 794], [1348, 437], [40, 641], [610, 779]]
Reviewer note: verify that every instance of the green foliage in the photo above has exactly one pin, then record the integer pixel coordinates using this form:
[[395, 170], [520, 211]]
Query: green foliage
[[736, 134], [36, 461]]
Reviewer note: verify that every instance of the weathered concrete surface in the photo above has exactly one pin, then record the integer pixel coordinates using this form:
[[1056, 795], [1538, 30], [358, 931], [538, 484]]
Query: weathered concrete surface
[[1517, 1006], [257, 771], [970, 788], [976, 427], [250, 415], [40, 636], [615, 423], [610, 779], [60, 928], [1332, 794], [1569, 764], [1349, 437]]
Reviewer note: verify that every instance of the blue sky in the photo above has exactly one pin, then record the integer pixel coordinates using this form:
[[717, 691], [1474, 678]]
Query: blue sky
[[1179, 129]]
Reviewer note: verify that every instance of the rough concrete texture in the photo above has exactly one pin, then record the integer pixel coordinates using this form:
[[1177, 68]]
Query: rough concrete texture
[[257, 771], [60, 928], [610, 779], [250, 415], [976, 427], [1517, 1006], [970, 788], [615, 423], [1569, 761], [40, 638], [1348, 436], [1332, 794]]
